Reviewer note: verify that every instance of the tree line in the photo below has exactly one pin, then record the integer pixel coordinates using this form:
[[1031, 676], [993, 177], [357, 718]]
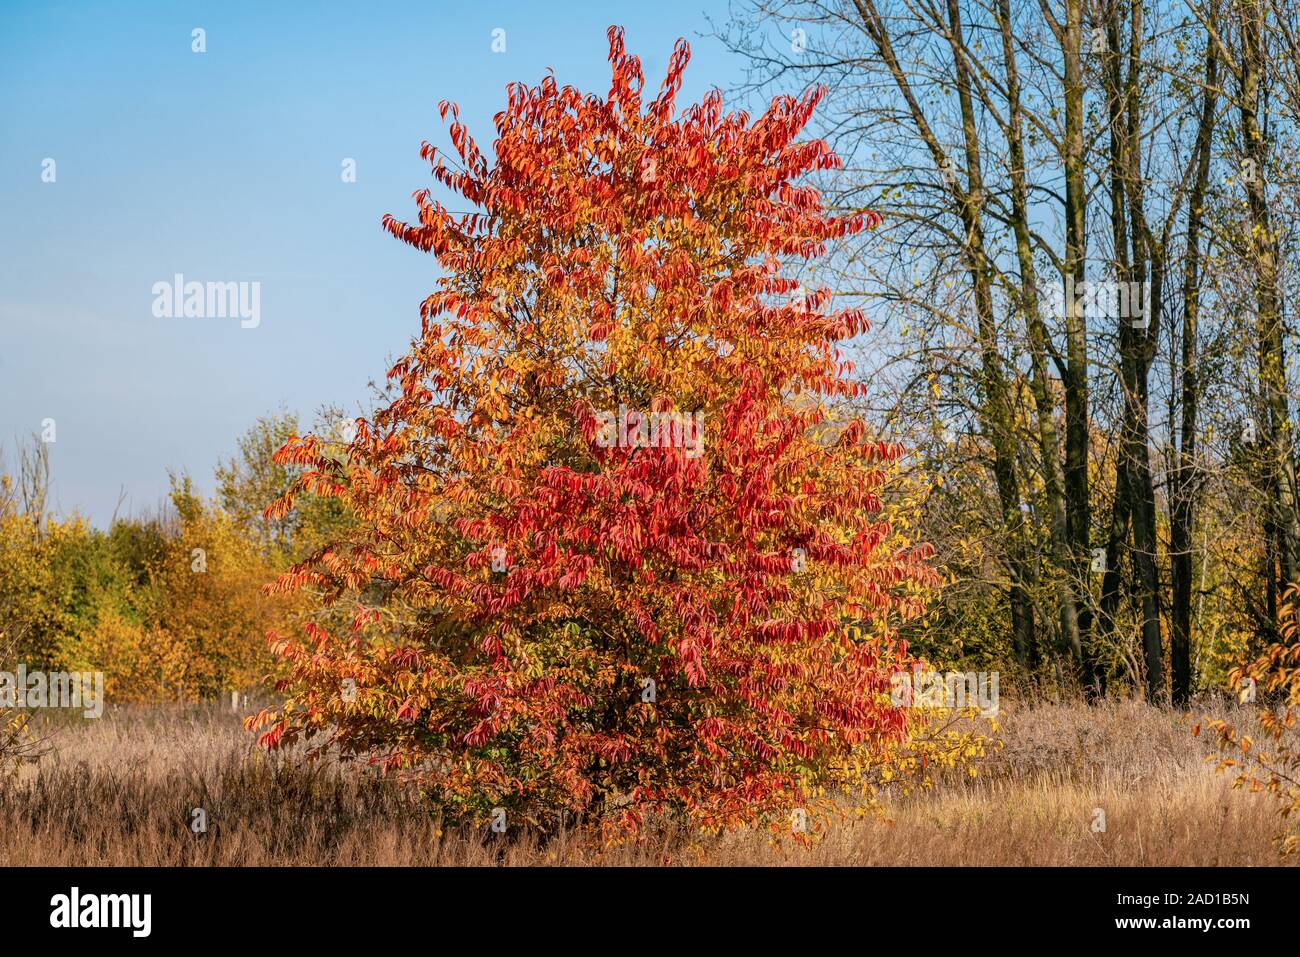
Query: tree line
[[1080, 302]]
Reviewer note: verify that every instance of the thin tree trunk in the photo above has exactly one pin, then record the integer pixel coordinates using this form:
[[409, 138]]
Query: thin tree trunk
[[1078, 507], [1183, 481], [1275, 429], [996, 420], [1065, 587]]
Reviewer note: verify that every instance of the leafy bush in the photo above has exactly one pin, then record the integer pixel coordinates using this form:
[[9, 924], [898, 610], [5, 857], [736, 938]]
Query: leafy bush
[[1270, 764], [546, 606], [169, 608]]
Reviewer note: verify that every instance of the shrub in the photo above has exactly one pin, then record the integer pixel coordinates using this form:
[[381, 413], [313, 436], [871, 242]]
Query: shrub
[[1270, 765], [619, 549]]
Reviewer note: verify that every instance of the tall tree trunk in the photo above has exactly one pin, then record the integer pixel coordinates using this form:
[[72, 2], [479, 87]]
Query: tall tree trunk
[[995, 416], [1139, 266], [1064, 587], [1148, 272], [1078, 508], [1275, 427], [1000, 422], [1184, 479]]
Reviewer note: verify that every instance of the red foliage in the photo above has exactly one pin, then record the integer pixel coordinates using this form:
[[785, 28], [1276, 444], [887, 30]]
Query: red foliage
[[553, 607]]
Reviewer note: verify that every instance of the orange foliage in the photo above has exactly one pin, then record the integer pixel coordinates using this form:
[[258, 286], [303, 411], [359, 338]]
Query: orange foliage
[[1270, 764], [553, 606]]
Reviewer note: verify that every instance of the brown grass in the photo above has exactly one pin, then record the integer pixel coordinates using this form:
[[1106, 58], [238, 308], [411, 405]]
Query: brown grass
[[119, 791]]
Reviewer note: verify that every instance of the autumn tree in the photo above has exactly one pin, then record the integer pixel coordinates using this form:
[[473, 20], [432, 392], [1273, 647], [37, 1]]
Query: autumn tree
[[1264, 753], [169, 606], [617, 548], [250, 479]]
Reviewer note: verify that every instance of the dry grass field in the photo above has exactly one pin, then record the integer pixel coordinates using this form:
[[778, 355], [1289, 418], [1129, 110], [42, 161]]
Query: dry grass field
[[119, 791]]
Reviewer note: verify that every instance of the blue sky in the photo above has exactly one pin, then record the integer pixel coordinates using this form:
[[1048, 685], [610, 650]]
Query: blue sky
[[226, 166]]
